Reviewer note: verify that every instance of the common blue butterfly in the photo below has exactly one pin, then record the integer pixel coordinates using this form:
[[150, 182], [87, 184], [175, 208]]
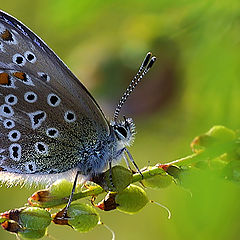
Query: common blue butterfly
[[51, 126]]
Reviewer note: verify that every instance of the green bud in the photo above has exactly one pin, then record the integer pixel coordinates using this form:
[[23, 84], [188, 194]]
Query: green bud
[[83, 217], [131, 199], [34, 218], [31, 234], [22, 232], [115, 179], [215, 134], [174, 171], [158, 181], [61, 188], [202, 141], [222, 133]]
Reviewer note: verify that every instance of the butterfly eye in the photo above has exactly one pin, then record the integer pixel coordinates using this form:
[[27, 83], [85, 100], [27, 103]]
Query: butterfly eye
[[30, 56], [122, 131], [19, 59]]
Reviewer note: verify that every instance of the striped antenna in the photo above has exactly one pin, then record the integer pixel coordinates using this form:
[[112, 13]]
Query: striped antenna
[[144, 68]]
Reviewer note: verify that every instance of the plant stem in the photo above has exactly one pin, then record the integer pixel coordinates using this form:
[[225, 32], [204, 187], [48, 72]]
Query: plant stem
[[212, 152]]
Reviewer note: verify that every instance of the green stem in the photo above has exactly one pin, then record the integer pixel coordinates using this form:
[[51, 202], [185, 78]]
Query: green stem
[[207, 154]]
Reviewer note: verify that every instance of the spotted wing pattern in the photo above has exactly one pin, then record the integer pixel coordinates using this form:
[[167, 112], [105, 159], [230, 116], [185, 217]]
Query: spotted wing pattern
[[46, 115]]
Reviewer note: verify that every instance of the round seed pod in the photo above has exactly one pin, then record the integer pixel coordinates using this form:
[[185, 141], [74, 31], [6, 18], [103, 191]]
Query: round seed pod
[[158, 181], [31, 234], [61, 188], [115, 179], [174, 171], [131, 199], [83, 217], [222, 133], [34, 218], [216, 134]]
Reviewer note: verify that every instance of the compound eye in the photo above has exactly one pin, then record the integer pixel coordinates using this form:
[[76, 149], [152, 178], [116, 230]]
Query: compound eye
[[122, 131]]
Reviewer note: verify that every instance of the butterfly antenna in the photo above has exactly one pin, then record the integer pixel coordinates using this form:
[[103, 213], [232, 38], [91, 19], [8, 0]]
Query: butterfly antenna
[[144, 68]]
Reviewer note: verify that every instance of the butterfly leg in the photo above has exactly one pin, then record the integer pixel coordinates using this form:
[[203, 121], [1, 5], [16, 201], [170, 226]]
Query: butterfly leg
[[64, 216], [131, 159], [110, 173], [127, 162]]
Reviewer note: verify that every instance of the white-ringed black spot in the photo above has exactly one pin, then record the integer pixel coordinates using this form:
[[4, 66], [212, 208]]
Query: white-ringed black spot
[[30, 97], [37, 118], [30, 56], [11, 99], [6, 110], [30, 167], [15, 150], [53, 100], [8, 123], [14, 135], [52, 132], [44, 76], [19, 59], [69, 116], [41, 147]]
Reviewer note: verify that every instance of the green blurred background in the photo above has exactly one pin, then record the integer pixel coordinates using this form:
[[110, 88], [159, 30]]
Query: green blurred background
[[194, 85]]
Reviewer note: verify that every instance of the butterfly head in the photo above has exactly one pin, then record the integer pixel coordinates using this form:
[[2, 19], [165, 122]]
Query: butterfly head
[[124, 131]]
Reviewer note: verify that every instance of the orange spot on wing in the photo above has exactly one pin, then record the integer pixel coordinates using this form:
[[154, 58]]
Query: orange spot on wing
[[4, 78], [6, 36], [20, 75]]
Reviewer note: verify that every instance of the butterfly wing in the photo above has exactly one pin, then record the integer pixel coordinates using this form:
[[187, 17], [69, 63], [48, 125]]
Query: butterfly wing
[[47, 116]]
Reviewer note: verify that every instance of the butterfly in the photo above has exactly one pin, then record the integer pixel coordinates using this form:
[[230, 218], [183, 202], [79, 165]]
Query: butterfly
[[50, 125]]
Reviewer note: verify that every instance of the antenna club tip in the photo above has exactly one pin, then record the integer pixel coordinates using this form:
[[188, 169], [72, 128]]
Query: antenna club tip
[[151, 62], [146, 59], [154, 59]]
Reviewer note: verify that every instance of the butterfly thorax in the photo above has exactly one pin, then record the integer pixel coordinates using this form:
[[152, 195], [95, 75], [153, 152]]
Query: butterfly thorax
[[97, 157]]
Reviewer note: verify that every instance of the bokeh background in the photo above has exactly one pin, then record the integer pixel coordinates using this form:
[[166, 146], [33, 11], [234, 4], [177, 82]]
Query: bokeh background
[[194, 85]]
